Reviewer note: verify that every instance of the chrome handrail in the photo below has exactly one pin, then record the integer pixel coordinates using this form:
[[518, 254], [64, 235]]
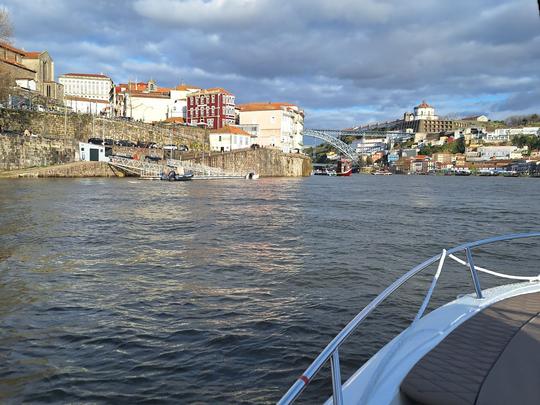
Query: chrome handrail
[[330, 352]]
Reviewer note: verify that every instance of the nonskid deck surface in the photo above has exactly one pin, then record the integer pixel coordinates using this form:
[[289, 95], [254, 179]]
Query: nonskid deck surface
[[492, 358]]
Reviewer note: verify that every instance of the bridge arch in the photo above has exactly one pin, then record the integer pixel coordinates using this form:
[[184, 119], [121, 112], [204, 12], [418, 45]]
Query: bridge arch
[[332, 137]]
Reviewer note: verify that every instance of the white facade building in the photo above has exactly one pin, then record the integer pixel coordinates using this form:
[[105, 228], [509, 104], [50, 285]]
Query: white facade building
[[85, 85], [229, 138], [496, 152], [367, 146], [82, 105], [27, 84], [506, 134], [94, 153], [178, 101], [424, 112], [149, 107]]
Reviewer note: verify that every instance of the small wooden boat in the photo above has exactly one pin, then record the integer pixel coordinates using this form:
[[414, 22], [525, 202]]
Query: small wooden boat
[[172, 176]]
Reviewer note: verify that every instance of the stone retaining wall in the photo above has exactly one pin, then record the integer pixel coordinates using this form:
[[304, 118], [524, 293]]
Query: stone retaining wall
[[19, 152], [265, 161], [80, 127]]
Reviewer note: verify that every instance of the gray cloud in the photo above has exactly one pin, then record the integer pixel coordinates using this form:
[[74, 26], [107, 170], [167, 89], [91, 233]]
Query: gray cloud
[[345, 62]]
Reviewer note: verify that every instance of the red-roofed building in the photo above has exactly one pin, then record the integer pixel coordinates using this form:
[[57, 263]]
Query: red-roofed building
[[11, 63], [212, 108], [229, 138], [30, 67], [148, 102]]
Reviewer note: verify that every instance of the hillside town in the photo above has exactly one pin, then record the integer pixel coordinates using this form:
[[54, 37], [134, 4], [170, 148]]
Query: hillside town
[[424, 143], [231, 126], [427, 143]]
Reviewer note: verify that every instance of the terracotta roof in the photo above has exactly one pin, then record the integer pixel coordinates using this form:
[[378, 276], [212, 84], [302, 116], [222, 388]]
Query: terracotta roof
[[19, 65], [213, 90], [175, 120], [7, 46], [88, 100], [140, 86], [186, 87], [227, 129], [86, 75], [263, 106], [424, 105], [32, 55], [149, 95]]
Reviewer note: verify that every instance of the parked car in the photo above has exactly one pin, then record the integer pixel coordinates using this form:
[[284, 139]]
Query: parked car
[[108, 142], [123, 155], [255, 146], [183, 148], [95, 141], [170, 147], [152, 159]]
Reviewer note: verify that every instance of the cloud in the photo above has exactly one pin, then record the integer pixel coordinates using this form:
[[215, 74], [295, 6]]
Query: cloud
[[345, 62]]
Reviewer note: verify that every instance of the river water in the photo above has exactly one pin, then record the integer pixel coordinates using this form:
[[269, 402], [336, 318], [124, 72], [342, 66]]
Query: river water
[[123, 291]]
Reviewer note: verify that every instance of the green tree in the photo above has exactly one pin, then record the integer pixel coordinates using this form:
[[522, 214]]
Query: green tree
[[458, 146]]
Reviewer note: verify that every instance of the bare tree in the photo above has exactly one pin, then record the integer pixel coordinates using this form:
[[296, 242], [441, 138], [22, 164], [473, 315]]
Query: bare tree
[[6, 28], [6, 79]]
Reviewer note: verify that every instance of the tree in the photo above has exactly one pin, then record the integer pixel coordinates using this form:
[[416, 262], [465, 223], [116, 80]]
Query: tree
[[6, 80], [6, 29], [458, 146]]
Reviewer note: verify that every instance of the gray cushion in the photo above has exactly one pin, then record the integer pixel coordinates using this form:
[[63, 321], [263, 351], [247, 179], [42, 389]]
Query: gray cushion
[[488, 359]]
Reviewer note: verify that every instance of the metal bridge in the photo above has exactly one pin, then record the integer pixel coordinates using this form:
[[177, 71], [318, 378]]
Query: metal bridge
[[333, 137]]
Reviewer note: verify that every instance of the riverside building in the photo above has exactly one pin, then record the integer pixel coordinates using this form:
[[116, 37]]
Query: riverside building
[[212, 108], [87, 85], [32, 71], [280, 125]]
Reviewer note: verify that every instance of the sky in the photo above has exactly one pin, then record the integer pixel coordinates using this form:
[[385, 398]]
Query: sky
[[345, 62]]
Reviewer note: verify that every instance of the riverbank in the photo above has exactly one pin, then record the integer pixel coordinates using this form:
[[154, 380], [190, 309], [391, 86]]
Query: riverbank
[[68, 170]]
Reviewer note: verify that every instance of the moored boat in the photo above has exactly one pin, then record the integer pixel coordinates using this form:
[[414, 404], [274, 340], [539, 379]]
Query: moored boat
[[462, 172], [173, 176], [481, 348], [344, 167]]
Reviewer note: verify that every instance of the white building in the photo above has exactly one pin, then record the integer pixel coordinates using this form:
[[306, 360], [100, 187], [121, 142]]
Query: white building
[[86, 85], [27, 84], [178, 100], [367, 146], [94, 153], [280, 125], [497, 152], [87, 106], [229, 138], [506, 134], [479, 118], [149, 107], [424, 112]]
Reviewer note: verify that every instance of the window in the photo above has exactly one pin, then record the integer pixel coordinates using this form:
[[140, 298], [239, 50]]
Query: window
[[220, 138], [213, 98]]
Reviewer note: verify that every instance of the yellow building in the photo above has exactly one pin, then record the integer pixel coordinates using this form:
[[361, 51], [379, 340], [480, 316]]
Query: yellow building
[[42, 63], [280, 125]]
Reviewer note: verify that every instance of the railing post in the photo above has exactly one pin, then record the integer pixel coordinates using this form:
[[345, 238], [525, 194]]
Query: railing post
[[336, 379], [474, 274]]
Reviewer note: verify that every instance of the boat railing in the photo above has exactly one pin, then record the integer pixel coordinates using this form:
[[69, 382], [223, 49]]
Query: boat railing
[[331, 351]]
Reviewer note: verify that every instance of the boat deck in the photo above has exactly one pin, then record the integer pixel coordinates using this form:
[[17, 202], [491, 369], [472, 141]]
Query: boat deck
[[492, 358]]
